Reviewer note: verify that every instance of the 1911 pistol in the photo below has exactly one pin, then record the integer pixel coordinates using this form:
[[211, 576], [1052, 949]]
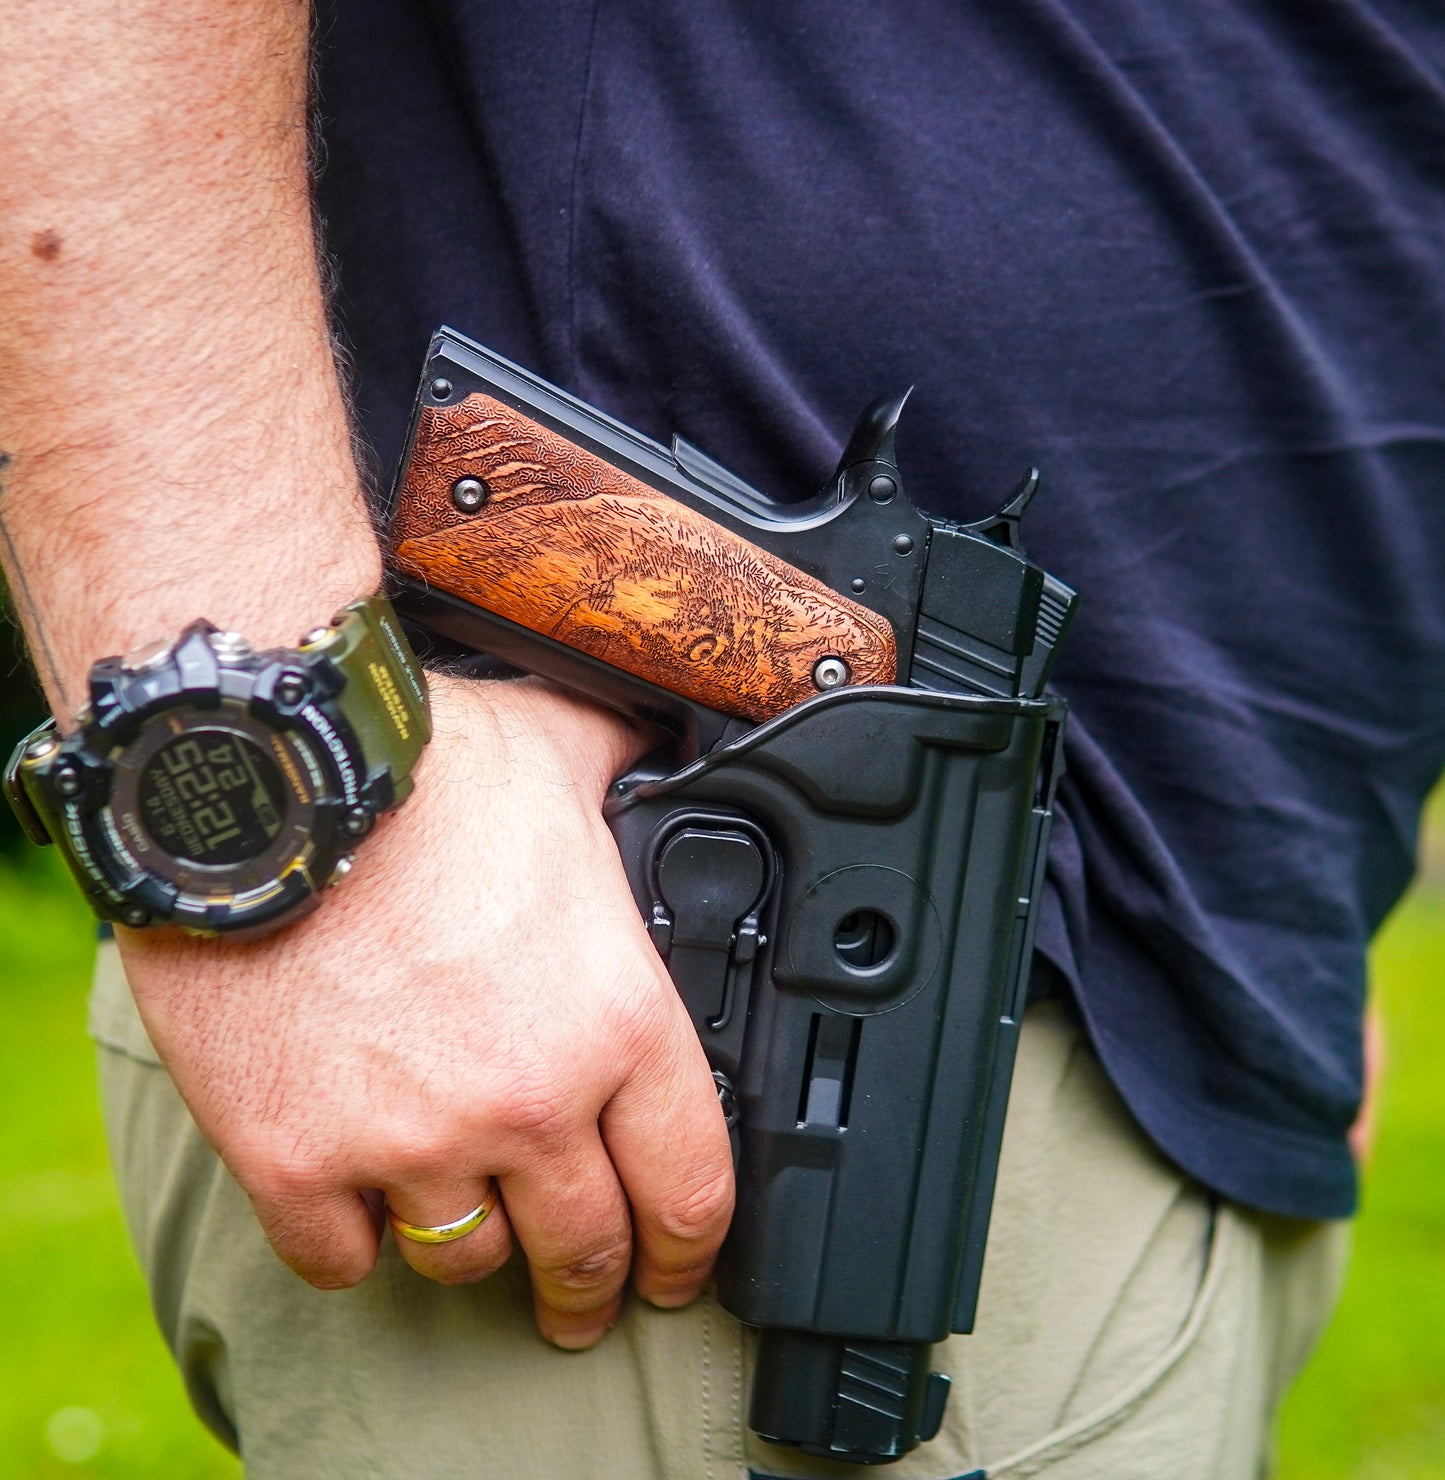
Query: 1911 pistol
[[838, 856]]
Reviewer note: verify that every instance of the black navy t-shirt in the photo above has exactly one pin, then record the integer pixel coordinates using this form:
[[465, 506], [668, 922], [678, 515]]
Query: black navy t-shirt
[[1188, 258]]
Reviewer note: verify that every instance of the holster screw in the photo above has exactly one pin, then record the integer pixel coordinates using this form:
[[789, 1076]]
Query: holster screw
[[727, 1098]]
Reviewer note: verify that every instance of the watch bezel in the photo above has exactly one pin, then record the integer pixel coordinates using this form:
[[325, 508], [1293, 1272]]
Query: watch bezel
[[135, 710]]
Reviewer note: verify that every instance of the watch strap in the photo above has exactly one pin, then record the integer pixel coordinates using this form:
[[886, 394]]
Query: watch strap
[[384, 696]]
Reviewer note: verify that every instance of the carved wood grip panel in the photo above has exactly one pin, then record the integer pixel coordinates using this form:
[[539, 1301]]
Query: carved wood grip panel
[[569, 546]]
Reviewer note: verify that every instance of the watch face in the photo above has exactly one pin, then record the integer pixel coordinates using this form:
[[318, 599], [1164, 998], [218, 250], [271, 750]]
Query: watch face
[[218, 804], [212, 796]]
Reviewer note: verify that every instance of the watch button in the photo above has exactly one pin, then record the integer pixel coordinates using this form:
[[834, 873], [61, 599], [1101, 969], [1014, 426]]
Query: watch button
[[229, 647], [358, 821], [38, 749], [146, 656]]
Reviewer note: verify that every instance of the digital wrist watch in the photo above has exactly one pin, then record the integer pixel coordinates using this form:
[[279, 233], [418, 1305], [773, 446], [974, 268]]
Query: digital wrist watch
[[220, 789]]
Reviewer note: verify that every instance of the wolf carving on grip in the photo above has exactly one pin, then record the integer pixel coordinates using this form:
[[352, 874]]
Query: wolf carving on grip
[[838, 855]]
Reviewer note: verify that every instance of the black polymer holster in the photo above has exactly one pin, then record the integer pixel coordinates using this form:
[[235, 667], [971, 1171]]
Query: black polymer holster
[[845, 896]]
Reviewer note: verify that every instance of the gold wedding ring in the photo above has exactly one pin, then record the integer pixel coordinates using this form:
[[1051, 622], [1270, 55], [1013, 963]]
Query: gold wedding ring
[[444, 1233]]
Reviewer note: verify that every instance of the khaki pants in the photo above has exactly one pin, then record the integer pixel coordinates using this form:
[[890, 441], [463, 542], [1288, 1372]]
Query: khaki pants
[[1130, 1325]]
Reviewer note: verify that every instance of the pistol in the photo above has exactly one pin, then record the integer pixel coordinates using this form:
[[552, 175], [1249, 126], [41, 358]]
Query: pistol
[[838, 852]]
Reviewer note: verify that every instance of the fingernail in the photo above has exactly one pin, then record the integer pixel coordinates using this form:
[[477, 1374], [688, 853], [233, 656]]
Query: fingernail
[[672, 1299], [578, 1338], [669, 1291]]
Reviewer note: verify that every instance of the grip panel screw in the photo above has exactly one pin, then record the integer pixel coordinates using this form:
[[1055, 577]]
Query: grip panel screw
[[469, 494], [829, 673]]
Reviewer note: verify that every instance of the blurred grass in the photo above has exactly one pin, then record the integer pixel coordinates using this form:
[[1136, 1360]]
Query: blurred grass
[[1371, 1403], [85, 1382], [86, 1387]]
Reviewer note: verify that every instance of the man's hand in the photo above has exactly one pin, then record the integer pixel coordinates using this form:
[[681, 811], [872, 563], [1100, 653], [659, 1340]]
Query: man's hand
[[478, 1000]]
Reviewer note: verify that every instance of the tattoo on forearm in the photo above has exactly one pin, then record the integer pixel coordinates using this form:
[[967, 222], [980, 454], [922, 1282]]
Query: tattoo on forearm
[[40, 650]]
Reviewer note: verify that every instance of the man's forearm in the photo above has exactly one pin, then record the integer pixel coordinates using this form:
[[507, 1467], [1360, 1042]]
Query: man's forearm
[[175, 441]]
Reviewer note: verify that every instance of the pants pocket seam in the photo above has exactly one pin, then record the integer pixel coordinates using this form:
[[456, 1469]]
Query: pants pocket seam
[[1099, 1420]]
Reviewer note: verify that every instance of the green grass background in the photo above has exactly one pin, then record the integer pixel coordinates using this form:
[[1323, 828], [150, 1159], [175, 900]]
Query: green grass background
[[85, 1385]]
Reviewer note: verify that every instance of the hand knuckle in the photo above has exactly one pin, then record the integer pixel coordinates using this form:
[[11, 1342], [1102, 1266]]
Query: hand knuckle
[[532, 1106], [641, 1017], [413, 1154], [285, 1177], [600, 1267], [699, 1214], [539, 1115]]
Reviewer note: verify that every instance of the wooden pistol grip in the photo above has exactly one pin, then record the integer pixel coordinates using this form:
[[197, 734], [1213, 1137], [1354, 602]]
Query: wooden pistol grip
[[572, 547]]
